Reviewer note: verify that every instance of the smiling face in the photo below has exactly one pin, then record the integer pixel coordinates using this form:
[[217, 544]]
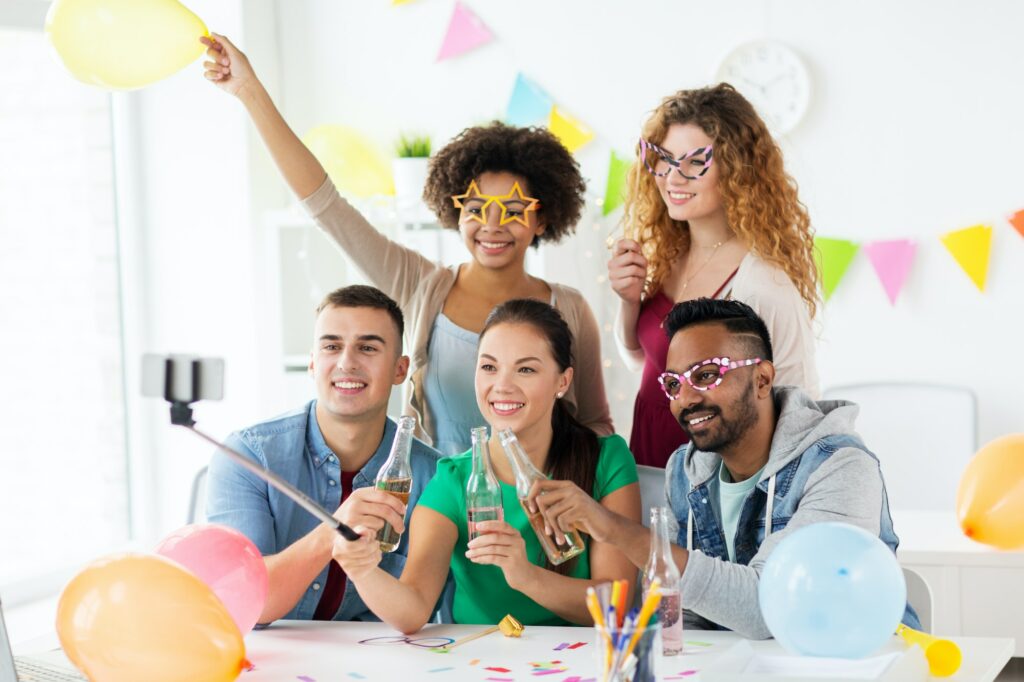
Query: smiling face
[[356, 359], [718, 418], [518, 379], [494, 245], [688, 199]]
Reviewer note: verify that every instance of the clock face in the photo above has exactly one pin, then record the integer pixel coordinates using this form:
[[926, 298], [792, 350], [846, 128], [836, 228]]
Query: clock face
[[775, 80]]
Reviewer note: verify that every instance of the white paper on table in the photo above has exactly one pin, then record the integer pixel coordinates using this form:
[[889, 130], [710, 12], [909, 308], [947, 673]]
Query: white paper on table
[[742, 664], [820, 668]]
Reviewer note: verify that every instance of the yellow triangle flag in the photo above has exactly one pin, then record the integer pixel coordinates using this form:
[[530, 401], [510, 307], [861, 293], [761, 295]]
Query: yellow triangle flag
[[970, 247], [400, 2], [572, 133]]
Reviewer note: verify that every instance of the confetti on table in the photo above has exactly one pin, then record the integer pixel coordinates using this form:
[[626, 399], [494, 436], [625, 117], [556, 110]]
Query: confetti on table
[[697, 643], [357, 676], [540, 671], [577, 645], [561, 646], [440, 670], [439, 650], [681, 675], [474, 661], [500, 679], [496, 669], [305, 678]]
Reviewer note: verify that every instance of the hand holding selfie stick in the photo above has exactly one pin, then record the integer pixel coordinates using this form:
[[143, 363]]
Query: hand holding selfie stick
[[187, 373]]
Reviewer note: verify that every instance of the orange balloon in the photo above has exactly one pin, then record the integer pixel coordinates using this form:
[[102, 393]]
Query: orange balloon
[[131, 617], [990, 501]]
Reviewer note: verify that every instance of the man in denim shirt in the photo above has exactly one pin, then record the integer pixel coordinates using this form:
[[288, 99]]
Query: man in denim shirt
[[331, 449], [756, 451]]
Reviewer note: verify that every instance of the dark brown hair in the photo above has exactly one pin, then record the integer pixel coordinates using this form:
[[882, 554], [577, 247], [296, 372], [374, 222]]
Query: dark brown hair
[[574, 449], [363, 296], [551, 173]]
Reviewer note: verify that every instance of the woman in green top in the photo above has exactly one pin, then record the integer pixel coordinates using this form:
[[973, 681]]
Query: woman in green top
[[524, 367]]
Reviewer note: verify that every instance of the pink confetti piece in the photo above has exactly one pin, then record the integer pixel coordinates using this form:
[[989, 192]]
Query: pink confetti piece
[[305, 678], [496, 669], [500, 679], [538, 673], [577, 645]]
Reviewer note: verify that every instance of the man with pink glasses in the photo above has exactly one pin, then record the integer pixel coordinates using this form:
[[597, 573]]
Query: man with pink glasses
[[757, 451]]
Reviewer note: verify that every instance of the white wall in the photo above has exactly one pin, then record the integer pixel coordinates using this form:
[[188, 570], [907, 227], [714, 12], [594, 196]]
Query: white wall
[[914, 129]]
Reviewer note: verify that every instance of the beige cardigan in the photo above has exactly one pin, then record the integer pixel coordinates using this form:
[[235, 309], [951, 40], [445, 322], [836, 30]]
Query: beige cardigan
[[420, 287], [769, 291]]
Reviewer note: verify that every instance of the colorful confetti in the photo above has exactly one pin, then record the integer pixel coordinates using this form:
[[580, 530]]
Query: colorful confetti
[[496, 669], [577, 645], [474, 661], [561, 646], [689, 643], [441, 670], [357, 676], [500, 679], [681, 675], [305, 678]]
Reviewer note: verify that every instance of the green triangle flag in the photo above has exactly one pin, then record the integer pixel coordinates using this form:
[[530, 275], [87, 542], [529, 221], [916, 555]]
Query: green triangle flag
[[834, 257], [615, 186]]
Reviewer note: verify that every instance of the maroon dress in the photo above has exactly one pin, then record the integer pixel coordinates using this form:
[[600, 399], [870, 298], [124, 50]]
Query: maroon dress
[[656, 434]]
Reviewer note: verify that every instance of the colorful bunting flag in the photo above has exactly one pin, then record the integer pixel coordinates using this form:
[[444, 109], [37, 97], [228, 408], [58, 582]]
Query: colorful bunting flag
[[834, 257], [573, 134], [528, 105], [465, 31], [891, 260], [1017, 220], [615, 185], [970, 247], [400, 2]]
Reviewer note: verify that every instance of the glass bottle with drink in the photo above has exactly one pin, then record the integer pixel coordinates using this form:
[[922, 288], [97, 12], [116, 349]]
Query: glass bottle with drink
[[662, 566], [483, 494], [395, 477], [526, 474]]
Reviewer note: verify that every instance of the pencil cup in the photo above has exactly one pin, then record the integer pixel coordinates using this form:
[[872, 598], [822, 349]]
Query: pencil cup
[[615, 663]]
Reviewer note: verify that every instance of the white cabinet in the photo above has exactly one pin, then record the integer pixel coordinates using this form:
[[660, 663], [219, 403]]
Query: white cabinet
[[977, 591]]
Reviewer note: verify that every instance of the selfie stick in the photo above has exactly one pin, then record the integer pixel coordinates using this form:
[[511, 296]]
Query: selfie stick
[[181, 415]]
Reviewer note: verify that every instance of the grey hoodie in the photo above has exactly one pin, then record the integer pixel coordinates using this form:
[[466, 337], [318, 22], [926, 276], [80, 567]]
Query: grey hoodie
[[841, 485]]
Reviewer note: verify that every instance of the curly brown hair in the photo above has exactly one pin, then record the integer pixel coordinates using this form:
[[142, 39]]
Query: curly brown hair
[[761, 202], [551, 173]]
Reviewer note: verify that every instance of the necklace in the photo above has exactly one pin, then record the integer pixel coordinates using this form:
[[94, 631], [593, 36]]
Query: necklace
[[714, 250]]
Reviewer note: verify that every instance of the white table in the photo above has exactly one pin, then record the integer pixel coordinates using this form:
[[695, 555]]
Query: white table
[[331, 652], [976, 590]]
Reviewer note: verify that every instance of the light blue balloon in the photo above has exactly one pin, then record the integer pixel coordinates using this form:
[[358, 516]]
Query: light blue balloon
[[832, 589]]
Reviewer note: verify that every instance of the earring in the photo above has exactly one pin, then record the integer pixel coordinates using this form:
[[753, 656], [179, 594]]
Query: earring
[[559, 394]]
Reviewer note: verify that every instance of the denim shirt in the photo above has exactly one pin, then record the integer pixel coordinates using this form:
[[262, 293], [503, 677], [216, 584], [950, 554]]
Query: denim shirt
[[790, 482], [293, 447]]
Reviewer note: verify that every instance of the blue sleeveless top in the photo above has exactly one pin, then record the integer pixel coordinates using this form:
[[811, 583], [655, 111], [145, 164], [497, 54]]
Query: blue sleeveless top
[[449, 385]]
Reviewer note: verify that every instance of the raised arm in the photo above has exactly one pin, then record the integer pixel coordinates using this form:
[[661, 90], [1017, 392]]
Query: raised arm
[[392, 268], [229, 69]]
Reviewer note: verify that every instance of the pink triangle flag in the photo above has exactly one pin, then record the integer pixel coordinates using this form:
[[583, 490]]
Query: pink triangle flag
[[465, 31], [891, 260]]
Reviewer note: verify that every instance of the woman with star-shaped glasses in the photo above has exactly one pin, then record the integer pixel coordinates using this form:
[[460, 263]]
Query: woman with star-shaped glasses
[[504, 189], [710, 212]]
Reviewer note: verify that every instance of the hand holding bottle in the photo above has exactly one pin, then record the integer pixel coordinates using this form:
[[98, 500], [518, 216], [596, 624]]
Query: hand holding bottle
[[567, 508], [501, 545]]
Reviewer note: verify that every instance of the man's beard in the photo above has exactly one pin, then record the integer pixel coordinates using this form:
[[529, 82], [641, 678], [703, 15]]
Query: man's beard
[[727, 432]]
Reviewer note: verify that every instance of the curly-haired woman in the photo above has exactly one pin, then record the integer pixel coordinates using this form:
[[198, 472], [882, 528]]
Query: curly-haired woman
[[505, 189], [710, 212]]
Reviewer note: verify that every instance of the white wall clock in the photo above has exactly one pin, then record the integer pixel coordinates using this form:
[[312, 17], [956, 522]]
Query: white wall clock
[[773, 77]]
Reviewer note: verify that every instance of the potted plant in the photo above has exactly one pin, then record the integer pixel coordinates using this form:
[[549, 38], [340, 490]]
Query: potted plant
[[410, 168]]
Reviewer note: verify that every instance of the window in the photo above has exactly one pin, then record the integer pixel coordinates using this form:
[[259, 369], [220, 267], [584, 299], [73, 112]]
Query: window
[[63, 458]]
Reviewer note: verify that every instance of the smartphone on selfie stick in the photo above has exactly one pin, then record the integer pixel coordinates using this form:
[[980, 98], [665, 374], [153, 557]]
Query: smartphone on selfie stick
[[184, 379]]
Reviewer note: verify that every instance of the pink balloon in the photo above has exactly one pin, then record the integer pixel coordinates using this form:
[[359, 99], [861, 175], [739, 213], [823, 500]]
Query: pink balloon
[[225, 560]]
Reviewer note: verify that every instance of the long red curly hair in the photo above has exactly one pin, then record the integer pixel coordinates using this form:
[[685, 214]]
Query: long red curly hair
[[761, 202]]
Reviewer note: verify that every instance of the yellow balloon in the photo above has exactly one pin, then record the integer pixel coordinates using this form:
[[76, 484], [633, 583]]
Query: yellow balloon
[[990, 501], [131, 617], [124, 44], [354, 164]]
